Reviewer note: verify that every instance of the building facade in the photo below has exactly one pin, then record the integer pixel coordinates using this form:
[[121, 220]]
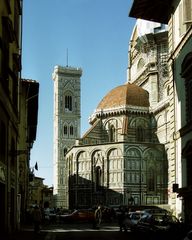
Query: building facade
[[113, 162], [67, 114], [119, 160], [17, 130], [40, 194], [148, 68], [27, 134], [177, 14], [10, 39]]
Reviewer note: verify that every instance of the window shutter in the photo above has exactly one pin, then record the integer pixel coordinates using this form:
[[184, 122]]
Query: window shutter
[[187, 11], [181, 21]]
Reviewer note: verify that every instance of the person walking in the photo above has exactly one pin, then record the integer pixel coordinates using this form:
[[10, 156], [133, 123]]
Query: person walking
[[121, 219], [37, 217], [97, 217]]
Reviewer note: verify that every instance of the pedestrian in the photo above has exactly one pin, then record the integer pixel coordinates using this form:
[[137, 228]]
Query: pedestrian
[[47, 215], [37, 219], [121, 219], [97, 217]]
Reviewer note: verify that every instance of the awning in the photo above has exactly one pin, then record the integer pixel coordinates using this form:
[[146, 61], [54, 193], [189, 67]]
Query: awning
[[156, 11]]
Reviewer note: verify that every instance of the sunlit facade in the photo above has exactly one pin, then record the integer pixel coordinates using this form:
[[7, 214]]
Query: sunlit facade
[[67, 114], [119, 160], [177, 14]]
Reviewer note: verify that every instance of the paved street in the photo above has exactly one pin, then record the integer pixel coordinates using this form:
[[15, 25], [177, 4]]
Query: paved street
[[81, 232]]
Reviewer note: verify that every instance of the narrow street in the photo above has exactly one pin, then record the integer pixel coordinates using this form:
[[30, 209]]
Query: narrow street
[[83, 232]]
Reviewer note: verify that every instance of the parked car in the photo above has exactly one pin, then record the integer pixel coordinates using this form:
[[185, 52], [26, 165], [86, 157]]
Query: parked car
[[188, 236], [80, 215], [156, 210], [159, 223], [132, 219]]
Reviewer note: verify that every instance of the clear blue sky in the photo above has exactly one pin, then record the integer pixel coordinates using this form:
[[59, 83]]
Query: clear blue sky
[[96, 34]]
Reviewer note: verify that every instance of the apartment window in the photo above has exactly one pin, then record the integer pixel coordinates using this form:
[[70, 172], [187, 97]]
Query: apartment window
[[185, 16], [13, 156], [16, 18], [2, 142], [4, 61], [187, 11], [187, 153], [186, 69]]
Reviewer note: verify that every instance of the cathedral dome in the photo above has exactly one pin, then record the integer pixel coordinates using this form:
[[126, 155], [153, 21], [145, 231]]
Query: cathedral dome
[[125, 95]]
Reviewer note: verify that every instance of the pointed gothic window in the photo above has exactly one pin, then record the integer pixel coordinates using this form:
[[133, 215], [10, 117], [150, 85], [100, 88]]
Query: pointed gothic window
[[112, 133], [64, 151], [151, 180], [71, 130], [140, 134], [98, 178], [141, 64], [68, 103], [65, 130]]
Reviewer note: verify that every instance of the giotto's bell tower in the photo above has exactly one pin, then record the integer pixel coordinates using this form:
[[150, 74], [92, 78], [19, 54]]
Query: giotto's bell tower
[[67, 115]]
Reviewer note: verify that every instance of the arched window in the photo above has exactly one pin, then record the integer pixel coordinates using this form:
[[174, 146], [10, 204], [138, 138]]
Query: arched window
[[71, 130], [151, 180], [64, 151], [98, 177], [140, 64], [68, 103], [65, 130], [112, 133], [140, 134]]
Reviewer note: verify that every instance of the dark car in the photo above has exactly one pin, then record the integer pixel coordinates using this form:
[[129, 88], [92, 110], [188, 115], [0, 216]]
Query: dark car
[[133, 218], [188, 236], [80, 215], [159, 223]]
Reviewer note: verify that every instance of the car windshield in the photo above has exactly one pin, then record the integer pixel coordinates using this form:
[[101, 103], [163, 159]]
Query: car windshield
[[136, 216], [159, 218]]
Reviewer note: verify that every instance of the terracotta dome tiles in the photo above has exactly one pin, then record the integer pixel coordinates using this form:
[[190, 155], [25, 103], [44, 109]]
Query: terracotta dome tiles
[[128, 94]]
